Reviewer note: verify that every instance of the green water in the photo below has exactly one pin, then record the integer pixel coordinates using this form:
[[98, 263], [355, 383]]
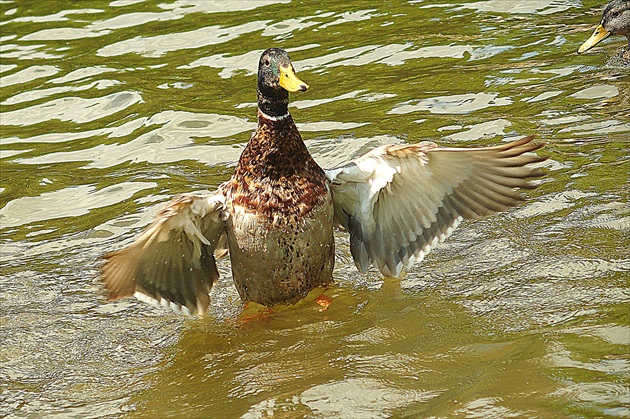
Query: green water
[[109, 108]]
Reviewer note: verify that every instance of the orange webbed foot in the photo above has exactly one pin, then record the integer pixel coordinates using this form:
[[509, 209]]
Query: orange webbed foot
[[324, 301]]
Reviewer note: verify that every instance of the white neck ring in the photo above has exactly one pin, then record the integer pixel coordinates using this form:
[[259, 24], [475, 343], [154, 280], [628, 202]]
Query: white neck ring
[[273, 118]]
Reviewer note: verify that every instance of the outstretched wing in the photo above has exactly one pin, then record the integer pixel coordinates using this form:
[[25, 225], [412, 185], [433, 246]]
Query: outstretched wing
[[172, 263], [399, 201]]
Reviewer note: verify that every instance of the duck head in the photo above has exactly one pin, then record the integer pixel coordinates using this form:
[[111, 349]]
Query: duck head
[[276, 78], [615, 21]]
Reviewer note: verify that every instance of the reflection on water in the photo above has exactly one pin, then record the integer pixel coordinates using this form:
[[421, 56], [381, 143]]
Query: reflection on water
[[73, 109], [356, 397], [79, 201], [456, 104], [108, 108], [541, 7]]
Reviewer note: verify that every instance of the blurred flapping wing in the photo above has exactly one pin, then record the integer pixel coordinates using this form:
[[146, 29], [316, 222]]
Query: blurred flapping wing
[[172, 263]]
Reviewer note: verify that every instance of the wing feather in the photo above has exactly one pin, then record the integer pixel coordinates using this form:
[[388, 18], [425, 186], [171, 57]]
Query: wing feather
[[399, 201], [172, 263]]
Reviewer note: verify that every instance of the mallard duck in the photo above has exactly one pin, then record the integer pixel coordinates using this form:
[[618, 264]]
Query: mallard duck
[[615, 21], [276, 214]]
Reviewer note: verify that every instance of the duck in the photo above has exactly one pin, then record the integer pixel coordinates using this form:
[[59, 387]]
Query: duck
[[615, 21], [277, 214]]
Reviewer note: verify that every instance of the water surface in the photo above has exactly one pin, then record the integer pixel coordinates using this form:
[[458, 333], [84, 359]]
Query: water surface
[[108, 108]]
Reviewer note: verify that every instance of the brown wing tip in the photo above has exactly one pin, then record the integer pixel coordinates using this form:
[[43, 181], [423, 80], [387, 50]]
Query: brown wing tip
[[117, 273], [527, 143], [525, 146]]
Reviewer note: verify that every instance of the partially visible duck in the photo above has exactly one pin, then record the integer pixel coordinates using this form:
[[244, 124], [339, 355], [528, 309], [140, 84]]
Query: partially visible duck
[[615, 21], [277, 213]]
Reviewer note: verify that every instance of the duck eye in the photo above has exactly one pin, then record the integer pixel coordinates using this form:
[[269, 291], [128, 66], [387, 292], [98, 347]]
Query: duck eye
[[266, 62], [616, 13]]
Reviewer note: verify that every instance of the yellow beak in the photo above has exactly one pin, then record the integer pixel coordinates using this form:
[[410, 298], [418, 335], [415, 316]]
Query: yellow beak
[[289, 81], [599, 35]]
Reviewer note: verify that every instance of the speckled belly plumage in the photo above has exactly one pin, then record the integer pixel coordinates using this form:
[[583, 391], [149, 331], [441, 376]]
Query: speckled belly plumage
[[279, 259]]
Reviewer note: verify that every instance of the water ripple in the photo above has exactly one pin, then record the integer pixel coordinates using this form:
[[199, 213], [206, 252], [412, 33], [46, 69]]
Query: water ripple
[[28, 74], [453, 104], [156, 46], [541, 7], [360, 397], [74, 109], [75, 201]]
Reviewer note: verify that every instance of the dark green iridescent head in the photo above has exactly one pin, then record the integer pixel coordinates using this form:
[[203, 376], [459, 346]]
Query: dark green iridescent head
[[276, 78]]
